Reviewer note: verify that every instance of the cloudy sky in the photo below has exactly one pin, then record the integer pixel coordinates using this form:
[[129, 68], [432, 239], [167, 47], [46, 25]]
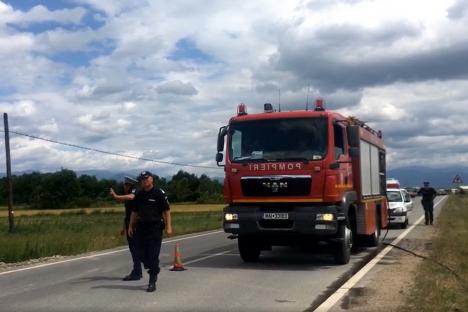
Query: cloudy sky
[[156, 79]]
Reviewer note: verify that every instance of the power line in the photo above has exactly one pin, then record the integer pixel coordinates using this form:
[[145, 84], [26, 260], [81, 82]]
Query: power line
[[111, 153]]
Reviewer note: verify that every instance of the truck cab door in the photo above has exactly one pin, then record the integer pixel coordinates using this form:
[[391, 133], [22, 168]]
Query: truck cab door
[[342, 161]]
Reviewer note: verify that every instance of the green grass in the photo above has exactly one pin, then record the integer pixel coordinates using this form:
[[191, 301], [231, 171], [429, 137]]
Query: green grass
[[436, 289], [75, 232], [178, 207]]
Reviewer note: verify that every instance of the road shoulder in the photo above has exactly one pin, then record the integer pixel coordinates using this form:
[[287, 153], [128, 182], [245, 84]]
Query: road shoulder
[[388, 282]]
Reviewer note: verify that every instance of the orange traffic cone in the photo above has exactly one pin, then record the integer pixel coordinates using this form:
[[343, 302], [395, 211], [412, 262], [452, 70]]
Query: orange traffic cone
[[178, 266]]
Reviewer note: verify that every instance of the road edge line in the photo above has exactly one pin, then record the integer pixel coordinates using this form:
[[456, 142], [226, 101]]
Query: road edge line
[[208, 257], [99, 254], [350, 283]]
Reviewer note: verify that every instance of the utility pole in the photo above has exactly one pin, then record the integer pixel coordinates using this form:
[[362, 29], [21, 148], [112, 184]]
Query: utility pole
[[8, 168]]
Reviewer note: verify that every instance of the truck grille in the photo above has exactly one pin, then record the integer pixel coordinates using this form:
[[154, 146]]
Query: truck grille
[[276, 185], [276, 224]]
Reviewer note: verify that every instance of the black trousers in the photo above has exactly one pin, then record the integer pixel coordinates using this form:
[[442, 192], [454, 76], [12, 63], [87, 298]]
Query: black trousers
[[149, 239], [428, 211], [132, 245]]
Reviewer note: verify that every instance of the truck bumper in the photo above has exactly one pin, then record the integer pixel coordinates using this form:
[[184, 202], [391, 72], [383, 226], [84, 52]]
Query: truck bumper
[[284, 224]]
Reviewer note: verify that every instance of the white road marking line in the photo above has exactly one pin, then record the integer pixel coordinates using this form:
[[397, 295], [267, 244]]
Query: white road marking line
[[208, 257], [190, 237], [104, 253], [338, 294]]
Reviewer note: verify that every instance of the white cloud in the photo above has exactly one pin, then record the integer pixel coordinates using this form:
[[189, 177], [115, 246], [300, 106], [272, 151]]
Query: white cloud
[[40, 13], [394, 65], [177, 87], [22, 108], [51, 127]]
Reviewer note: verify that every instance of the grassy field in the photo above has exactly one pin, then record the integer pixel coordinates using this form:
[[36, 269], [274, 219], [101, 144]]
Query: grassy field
[[116, 208], [436, 289], [74, 232]]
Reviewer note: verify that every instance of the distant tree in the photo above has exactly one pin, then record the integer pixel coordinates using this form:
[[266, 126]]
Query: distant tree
[[28, 185], [59, 189], [64, 189], [89, 186], [183, 187]]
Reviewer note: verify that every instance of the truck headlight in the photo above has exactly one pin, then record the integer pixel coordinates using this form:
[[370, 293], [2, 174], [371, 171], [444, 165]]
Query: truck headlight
[[230, 216], [324, 217]]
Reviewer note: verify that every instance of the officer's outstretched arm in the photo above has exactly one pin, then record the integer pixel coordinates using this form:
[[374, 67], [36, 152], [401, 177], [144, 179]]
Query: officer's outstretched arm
[[123, 198]]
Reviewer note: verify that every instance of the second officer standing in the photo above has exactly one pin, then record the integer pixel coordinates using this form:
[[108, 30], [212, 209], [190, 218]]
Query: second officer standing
[[151, 215], [127, 197]]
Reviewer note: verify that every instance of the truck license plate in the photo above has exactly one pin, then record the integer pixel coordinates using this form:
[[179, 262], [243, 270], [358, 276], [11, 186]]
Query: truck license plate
[[275, 216]]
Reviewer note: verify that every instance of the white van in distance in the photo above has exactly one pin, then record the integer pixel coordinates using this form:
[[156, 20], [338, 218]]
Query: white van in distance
[[399, 204]]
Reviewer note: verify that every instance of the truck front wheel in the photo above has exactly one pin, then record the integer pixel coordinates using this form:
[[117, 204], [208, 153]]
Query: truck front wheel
[[343, 246], [249, 249]]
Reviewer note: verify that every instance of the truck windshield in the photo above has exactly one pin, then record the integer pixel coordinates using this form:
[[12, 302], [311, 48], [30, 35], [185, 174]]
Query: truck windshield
[[394, 196], [278, 140]]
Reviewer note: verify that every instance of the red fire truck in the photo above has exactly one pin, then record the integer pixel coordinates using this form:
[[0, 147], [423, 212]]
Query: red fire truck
[[299, 177]]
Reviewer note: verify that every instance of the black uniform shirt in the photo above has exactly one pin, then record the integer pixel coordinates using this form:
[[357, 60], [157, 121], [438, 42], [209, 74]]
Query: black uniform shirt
[[428, 194], [150, 205], [129, 204]]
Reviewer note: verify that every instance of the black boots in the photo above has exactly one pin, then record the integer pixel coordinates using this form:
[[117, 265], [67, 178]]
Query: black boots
[[132, 276], [152, 283], [151, 287]]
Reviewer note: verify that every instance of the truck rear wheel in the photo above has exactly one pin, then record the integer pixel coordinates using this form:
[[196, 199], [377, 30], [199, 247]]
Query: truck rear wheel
[[249, 249], [344, 245], [373, 239]]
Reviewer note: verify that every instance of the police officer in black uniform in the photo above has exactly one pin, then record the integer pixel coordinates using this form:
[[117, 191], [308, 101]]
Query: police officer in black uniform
[[151, 215], [428, 194], [128, 199]]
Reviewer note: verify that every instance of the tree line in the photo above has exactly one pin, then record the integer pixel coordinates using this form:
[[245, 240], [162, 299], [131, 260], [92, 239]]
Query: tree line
[[65, 189]]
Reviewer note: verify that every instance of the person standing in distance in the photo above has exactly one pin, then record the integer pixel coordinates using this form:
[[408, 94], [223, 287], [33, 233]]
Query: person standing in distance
[[128, 199], [151, 214], [428, 194]]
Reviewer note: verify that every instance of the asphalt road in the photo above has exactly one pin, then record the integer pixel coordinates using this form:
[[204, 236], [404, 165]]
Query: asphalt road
[[286, 279]]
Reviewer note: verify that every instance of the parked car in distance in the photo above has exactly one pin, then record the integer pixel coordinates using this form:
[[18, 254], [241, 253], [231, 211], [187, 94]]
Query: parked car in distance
[[442, 191], [399, 204]]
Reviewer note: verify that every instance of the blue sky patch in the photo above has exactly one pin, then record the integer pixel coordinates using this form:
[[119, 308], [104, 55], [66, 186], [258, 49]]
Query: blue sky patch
[[83, 58], [26, 5], [186, 49], [92, 19], [75, 59], [37, 28], [7, 90]]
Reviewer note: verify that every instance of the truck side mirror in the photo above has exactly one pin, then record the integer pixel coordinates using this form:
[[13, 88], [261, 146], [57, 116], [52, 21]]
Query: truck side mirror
[[221, 134], [219, 157]]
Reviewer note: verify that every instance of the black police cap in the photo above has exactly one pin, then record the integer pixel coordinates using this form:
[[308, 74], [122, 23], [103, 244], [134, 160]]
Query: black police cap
[[144, 175], [129, 180]]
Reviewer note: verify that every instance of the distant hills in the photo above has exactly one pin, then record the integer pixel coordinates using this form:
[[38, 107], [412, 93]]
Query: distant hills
[[107, 174], [438, 177], [408, 176]]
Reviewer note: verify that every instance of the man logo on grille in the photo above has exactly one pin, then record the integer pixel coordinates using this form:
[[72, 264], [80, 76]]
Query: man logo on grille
[[274, 186]]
